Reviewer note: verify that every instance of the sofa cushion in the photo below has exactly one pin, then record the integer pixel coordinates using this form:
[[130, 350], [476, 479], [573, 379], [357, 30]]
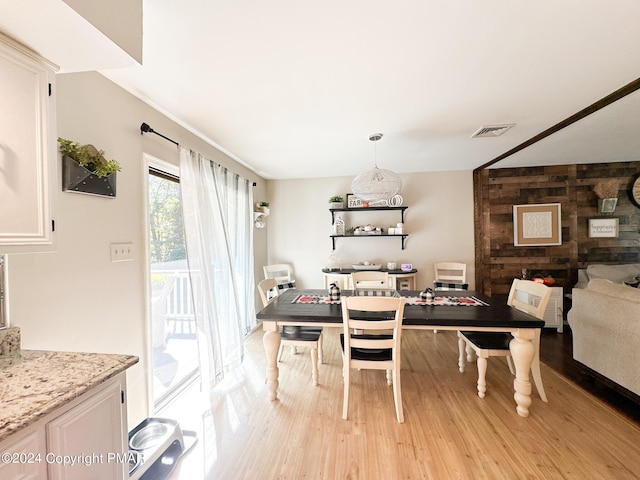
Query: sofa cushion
[[611, 289], [615, 273]]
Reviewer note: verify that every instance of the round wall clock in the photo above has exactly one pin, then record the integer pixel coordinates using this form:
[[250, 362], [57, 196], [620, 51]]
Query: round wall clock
[[635, 191]]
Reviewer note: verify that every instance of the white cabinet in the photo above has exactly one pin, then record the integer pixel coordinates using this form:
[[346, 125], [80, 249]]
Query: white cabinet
[[90, 431], [553, 315], [23, 455], [399, 281], [28, 149]]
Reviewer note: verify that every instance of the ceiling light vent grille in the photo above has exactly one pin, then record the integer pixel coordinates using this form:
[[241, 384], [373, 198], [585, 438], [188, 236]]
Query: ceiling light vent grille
[[492, 130]]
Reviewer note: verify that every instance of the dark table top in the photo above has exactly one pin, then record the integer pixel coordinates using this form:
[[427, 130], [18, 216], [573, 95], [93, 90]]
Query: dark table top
[[496, 314]]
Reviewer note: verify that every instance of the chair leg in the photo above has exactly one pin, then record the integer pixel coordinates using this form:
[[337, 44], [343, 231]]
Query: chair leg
[[537, 379], [482, 376], [510, 364], [535, 369], [314, 365], [397, 395], [469, 351], [320, 349], [345, 400], [389, 377], [461, 345], [280, 350]]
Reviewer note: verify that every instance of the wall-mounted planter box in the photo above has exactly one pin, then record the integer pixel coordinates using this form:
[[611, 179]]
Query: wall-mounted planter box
[[76, 178]]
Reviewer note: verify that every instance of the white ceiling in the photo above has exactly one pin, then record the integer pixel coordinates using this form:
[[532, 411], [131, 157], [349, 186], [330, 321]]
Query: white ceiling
[[294, 89]]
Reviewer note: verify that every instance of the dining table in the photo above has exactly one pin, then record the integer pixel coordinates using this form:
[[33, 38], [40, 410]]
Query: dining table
[[453, 310]]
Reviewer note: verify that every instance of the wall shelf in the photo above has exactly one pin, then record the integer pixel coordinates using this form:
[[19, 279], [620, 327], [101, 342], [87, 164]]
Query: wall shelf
[[402, 237], [367, 209], [333, 237]]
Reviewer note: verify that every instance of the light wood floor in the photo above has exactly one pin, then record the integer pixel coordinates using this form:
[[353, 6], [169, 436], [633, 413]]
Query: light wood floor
[[449, 433]]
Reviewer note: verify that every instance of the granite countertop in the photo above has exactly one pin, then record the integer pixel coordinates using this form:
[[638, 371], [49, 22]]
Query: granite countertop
[[35, 383]]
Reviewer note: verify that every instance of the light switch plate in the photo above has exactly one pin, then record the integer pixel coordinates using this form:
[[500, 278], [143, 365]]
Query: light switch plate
[[121, 252]]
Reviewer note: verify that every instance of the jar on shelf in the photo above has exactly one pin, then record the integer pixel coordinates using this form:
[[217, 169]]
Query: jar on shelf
[[339, 226]]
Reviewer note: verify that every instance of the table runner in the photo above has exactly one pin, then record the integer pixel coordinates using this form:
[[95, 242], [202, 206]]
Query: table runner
[[313, 299], [448, 301], [438, 301]]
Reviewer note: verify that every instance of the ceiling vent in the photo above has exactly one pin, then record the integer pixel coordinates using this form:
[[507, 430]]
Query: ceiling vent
[[492, 130]]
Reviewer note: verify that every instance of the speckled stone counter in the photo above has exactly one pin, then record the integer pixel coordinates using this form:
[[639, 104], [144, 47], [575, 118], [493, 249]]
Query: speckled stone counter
[[35, 383]]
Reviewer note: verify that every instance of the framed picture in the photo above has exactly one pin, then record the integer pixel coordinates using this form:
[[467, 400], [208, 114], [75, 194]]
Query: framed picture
[[603, 228], [537, 225], [353, 201], [607, 205]]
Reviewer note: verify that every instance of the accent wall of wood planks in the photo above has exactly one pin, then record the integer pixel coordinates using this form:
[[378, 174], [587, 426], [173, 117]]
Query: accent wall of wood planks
[[498, 261]]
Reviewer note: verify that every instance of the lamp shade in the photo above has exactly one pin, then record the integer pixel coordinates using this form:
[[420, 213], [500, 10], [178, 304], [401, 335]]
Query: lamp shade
[[376, 184]]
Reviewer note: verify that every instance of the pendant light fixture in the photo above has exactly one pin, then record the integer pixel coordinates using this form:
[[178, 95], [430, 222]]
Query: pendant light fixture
[[377, 184]]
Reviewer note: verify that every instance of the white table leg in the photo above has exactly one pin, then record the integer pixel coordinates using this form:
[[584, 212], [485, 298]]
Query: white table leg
[[482, 376], [522, 353], [461, 352], [271, 342]]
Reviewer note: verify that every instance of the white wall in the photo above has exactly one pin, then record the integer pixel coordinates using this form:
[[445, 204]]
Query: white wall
[[76, 299], [439, 221]]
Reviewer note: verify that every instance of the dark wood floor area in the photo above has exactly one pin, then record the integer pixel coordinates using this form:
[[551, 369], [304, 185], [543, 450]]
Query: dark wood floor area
[[556, 351]]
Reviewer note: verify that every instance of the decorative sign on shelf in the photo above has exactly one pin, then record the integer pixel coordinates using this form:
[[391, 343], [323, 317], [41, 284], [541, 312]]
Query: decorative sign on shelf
[[353, 201]]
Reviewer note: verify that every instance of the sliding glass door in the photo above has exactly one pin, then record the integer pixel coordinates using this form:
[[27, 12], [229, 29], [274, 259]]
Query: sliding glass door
[[173, 327]]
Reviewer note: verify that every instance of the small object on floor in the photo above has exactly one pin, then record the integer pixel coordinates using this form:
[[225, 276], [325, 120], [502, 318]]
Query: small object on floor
[[156, 445]]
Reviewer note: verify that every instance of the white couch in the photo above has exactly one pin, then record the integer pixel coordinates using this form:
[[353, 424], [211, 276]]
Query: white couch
[[616, 273], [605, 322]]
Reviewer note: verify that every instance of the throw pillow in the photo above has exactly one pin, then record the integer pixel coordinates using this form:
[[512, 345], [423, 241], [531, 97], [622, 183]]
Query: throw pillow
[[617, 290], [615, 273]]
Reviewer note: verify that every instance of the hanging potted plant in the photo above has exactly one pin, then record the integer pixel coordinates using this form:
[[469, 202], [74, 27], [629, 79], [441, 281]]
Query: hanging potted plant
[[85, 169], [263, 207]]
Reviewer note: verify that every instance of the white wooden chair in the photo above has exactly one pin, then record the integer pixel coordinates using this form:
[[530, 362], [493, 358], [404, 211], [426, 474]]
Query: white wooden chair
[[370, 279], [494, 344], [310, 337], [342, 281], [282, 273], [449, 273], [373, 352]]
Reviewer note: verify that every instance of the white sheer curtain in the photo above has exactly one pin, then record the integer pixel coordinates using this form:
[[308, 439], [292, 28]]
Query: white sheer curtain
[[218, 221]]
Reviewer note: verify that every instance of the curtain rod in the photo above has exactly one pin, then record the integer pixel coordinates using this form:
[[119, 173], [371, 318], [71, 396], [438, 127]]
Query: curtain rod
[[145, 128]]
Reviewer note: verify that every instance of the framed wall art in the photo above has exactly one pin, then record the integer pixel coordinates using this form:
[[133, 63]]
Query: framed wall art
[[537, 225], [603, 227]]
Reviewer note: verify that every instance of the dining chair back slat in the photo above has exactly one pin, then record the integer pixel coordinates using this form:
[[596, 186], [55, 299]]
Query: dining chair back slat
[[370, 279], [452, 272]]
